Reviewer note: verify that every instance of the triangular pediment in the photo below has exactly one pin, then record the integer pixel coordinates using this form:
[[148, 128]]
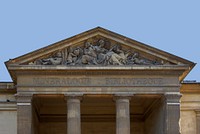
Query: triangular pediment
[[98, 51], [99, 47]]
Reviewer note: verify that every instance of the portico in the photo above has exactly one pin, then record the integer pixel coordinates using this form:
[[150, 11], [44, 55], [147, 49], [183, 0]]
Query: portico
[[126, 107], [79, 86], [91, 115]]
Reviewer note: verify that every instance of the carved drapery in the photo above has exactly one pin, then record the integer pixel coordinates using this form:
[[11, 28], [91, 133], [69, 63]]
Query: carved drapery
[[100, 52]]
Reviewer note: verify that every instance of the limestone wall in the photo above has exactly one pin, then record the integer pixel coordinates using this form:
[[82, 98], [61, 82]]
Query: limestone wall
[[188, 122], [190, 106], [8, 114]]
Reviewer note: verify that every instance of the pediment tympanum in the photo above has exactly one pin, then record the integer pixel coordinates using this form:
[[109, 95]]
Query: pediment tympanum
[[96, 51]]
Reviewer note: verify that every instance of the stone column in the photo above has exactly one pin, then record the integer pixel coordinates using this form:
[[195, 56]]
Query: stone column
[[73, 114], [122, 114], [172, 113], [198, 121], [24, 114]]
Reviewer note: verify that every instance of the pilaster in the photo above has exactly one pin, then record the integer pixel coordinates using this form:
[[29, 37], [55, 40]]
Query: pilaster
[[198, 121], [24, 114], [172, 113]]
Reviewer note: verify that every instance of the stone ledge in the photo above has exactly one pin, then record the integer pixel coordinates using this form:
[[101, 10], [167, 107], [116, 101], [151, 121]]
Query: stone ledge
[[113, 67]]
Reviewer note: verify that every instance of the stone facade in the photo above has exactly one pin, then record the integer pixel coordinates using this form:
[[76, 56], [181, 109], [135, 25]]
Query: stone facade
[[190, 105], [189, 115], [8, 111], [99, 82]]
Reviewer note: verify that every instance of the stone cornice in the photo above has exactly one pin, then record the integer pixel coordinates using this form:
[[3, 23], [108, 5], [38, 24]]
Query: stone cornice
[[7, 87], [175, 70], [63, 67], [8, 106], [23, 98], [192, 88]]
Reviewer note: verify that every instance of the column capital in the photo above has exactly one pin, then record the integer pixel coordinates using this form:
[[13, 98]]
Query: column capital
[[78, 96], [24, 98], [122, 96], [172, 97]]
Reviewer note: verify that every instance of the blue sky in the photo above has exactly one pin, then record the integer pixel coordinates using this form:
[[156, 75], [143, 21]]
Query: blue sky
[[172, 25]]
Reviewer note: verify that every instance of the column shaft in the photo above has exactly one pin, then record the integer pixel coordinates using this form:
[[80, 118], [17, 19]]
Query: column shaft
[[122, 115], [73, 115]]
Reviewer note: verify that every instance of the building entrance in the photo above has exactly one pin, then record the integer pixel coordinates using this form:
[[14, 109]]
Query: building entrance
[[98, 114]]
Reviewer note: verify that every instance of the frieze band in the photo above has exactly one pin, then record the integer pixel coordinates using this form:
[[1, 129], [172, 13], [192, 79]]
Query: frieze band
[[97, 81]]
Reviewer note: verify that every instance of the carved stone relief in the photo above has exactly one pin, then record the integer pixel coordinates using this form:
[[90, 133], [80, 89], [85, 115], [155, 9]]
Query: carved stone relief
[[96, 53]]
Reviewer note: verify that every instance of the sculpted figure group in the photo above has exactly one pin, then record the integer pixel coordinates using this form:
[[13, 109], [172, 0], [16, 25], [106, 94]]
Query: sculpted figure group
[[95, 54]]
